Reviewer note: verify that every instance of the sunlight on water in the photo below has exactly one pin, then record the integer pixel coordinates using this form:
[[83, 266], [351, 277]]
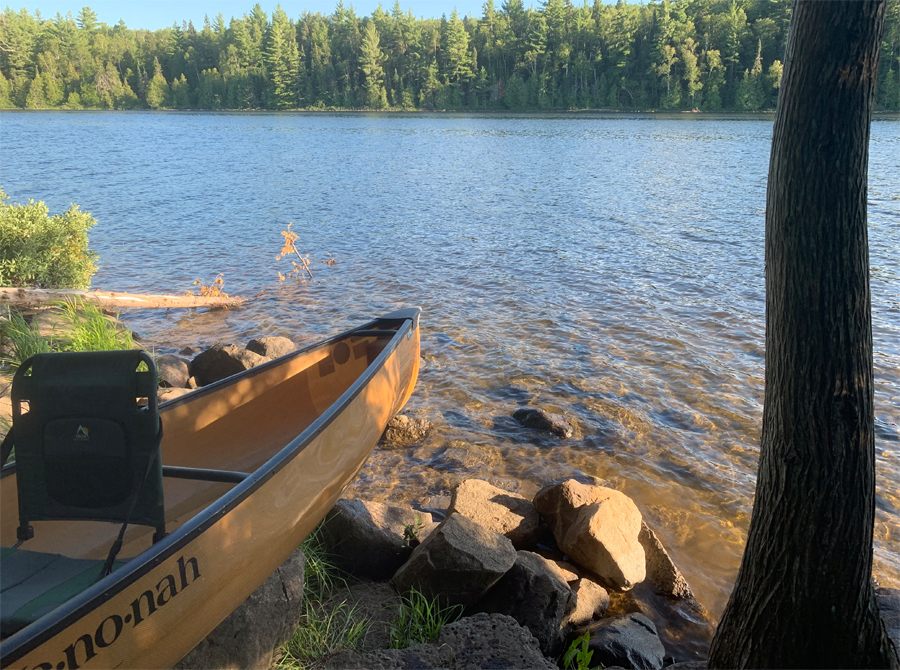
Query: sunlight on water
[[610, 268]]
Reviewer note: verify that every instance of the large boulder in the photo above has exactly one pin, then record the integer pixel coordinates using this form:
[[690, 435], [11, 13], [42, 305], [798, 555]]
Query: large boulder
[[627, 640], [221, 361], [370, 539], [458, 562], [271, 347], [495, 509], [533, 594], [598, 528], [535, 417], [661, 571], [249, 635], [473, 643], [173, 371], [403, 430]]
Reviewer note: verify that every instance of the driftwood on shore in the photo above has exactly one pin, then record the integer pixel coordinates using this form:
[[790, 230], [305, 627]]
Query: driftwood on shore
[[34, 297]]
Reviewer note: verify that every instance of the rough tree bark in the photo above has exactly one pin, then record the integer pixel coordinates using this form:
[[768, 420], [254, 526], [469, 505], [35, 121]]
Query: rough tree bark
[[804, 596]]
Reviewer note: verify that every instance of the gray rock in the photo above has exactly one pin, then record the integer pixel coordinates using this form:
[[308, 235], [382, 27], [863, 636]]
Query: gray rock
[[661, 571], [189, 351], [478, 642], [889, 606], [535, 417], [495, 509], [165, 395], [598, 528], [367, 538], [173, 371], [592, 601], [629, 640], [271, 347], [533, 594], [404, 430], [458, 562], [221, 361], [248, 636]]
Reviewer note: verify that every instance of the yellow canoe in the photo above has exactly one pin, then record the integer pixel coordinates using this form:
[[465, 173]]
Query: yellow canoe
[[273, 448]]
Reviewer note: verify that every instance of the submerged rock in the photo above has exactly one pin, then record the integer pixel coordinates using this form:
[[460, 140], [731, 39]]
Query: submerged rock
[[598, 528], [495, 509], [271, 347], [221, 361], [248, 636], [661, 571], [889, 606], [535, 417], [458, 562], [403, 430]]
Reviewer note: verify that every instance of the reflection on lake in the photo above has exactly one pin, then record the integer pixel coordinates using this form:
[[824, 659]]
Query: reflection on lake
[[607, 267]]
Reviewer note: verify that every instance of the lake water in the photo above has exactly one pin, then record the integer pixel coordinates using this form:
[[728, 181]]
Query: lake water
[[609, 267]]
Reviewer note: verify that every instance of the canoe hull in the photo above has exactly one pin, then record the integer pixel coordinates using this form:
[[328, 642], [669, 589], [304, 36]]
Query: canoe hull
[[168, 599]]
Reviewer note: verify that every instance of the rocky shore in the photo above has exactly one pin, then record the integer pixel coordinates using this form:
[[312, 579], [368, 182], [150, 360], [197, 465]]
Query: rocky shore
[[529, 577]]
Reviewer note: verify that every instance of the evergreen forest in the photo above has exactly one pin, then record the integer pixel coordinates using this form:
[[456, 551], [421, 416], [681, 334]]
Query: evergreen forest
[[667, 55]]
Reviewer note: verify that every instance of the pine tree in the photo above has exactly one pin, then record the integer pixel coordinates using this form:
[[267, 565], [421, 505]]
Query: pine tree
[[35, 97], [180, 93], [370, 62], [282, 62], [158, 89]]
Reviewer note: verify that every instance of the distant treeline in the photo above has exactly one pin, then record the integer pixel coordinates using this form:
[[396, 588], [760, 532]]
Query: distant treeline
[[683, 54]]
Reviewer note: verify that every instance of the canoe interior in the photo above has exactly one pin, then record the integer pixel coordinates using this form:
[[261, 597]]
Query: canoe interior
[[237, 425]]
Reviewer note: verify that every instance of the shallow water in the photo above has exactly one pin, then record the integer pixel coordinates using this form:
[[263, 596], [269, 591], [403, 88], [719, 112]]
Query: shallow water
[[607, 267]]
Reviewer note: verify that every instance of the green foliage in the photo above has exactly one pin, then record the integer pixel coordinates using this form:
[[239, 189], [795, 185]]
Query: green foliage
[[674, 54], [321, 575], [86, 328], [578, 657], [323, 632], [41, 250], [81, 327], [21, 340], [325, 628], [420, 619], [411, 532]]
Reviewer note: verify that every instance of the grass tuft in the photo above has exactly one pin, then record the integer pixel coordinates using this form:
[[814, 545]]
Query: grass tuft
[[89, 329], [420, 619], [323, 632], [324, 629], [22, 341]]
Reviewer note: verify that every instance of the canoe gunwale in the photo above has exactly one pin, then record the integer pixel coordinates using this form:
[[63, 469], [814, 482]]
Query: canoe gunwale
[[30, 637]]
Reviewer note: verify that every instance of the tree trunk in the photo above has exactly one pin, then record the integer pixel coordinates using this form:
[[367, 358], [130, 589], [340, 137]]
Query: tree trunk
[[804, 596], [34, 297]]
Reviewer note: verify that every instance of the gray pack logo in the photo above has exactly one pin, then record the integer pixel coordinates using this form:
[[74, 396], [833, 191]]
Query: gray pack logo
[[82, 434]]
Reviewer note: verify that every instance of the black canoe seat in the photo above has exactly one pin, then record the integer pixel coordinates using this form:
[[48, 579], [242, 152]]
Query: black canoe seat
[[33, 584], [86, 449]]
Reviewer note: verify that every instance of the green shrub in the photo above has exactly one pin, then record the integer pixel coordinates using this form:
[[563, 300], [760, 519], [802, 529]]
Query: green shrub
[[37, 249]]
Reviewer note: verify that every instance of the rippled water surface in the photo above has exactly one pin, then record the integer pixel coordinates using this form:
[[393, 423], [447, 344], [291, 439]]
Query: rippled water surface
[[607, 267]]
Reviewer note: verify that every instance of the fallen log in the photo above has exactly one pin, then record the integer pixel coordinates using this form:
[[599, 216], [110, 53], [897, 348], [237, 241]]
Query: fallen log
[[35, 297]]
